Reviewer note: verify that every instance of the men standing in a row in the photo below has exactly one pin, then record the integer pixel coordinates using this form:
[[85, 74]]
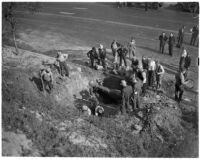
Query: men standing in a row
[[195, 33], [180, 36], [171, 43], [163, 38]]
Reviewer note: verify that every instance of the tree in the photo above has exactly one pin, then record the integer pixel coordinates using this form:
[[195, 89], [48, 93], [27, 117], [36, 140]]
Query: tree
[[9, 20]]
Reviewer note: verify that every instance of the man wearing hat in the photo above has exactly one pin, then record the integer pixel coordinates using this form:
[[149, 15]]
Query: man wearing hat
[[163, 38], [86, 110], [159, 74], [47, 79], [102, 55], [126, 95], [136, 92], [62, 64], [92, 54], [179, 84], [99, 111]]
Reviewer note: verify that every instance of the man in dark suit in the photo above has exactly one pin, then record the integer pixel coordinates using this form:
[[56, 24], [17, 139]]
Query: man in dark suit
[[195, 33], [171, 43], [180, 36], [163, 39]]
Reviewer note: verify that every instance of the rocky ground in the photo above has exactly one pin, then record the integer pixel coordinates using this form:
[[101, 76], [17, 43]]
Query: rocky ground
[[38, 124]]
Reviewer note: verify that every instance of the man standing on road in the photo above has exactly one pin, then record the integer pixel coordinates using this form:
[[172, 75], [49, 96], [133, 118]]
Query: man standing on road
[[132, 48], [180, 36], [159, 74], [195, 33], [102, 55], [126, 95], [179, 85], [171, 43], [122, 55], [163, 39], [92, 54]]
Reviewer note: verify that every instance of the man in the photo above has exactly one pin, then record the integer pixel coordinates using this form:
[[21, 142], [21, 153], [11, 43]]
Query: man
[[115, 46], [145, 63], [122, 55], [99, 111], [171, 43], [86, 110], [180, 36], [187, 64], [195, 33], [142, 75], [179, 85], [135, 64], [182, 59], [163, 39], [61, 59], [126, 94], [159, 74], [151, 73], [135, 99], [102, 55], [132, 48], [92, 54], [47, 79]]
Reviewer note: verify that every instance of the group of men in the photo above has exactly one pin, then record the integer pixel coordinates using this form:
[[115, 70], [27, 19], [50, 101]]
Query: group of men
[[171, 40], [46, 74], [145, 73]]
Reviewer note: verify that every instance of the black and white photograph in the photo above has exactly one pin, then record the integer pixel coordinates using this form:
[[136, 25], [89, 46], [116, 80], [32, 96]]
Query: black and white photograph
[[100, 79]]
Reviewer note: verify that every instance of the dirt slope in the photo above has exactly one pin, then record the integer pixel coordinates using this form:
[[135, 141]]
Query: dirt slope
[[55, 127]]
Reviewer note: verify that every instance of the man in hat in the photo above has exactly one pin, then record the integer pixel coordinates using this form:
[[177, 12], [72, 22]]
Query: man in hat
[[126, 95], [47, 79], [135, 64], [135, 97], [179, 84], [114, 47], [132, 48], [61, 59], [92, 54], [151, 73], [99, 111], [86, 110], [181, 33], [122, 55], [159, 74], [195, 33], [163, 39], [102, 55], [171, 43]]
